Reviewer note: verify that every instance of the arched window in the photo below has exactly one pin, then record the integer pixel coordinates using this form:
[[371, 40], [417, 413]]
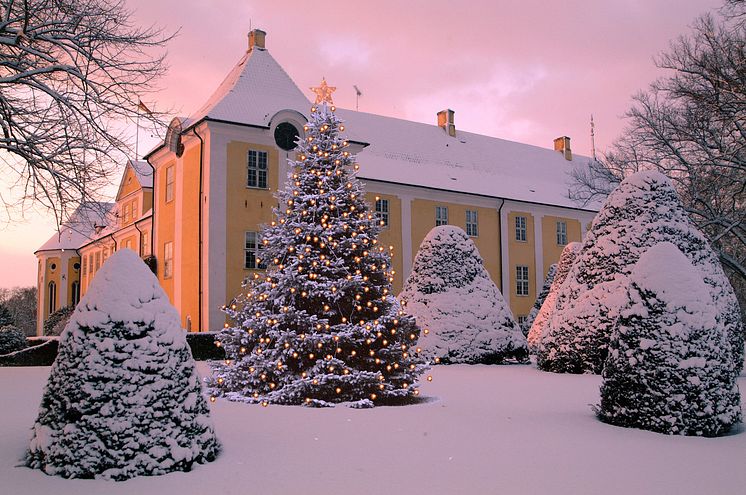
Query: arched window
[[52, 294], [75, 289]]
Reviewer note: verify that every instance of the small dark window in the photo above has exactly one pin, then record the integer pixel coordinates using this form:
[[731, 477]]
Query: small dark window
[[53, 266], [76, 266], [285, 136]]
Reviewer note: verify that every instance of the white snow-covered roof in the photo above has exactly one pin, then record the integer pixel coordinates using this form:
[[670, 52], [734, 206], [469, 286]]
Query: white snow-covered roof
[[80, 227], [252, 93], [143, 172], [402, 151]]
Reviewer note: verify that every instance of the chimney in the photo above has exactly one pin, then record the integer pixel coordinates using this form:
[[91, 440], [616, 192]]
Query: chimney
[[256, 39], [562, 144], [445, 120]]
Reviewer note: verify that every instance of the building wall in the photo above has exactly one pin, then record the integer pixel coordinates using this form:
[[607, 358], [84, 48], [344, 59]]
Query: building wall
[[521, 253], [165, 225], [188, 226], [391, 235]]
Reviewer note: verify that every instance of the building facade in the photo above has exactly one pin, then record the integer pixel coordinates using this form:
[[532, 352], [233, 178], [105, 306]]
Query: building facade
[[195, 209]]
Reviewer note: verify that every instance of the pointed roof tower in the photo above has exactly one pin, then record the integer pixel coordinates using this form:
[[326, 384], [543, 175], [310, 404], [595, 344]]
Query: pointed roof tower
[[254, 90]]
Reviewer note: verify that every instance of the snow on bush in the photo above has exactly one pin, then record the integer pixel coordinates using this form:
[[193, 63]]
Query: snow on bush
[[551, 273], [541, 320], [123, 397], [451, 294], [12, 339], [643, 211], [669, 368]]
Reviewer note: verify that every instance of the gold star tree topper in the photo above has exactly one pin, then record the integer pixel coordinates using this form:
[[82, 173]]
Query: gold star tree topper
[[324, 93]]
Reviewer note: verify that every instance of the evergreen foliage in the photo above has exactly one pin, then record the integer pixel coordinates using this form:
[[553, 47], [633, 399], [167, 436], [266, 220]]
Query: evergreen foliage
[[12, 339], [321, 325], [5, 317], [643, 211], [551, 273], [123, 397], [540, 322], [56, 322], [668, 367], [451, 295]]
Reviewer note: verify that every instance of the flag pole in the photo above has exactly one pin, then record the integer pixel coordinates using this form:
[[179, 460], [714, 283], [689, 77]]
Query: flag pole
[[137, 132]]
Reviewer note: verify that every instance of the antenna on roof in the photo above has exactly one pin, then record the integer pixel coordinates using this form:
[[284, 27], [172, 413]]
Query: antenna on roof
[[593, 139], [358, 94]]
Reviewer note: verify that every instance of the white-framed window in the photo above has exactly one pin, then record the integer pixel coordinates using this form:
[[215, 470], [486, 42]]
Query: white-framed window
[[561, 233], [252, 250], [126, 216], [98, 261], [441, 215], [144, 244], [382, 212], [168, 259], [522, 319], [170, 179], [257, 169], [521, 280], [471, 223], [52, 291], [520, 229]]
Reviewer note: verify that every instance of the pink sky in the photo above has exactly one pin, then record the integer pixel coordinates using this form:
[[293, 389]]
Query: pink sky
[[526, 70]]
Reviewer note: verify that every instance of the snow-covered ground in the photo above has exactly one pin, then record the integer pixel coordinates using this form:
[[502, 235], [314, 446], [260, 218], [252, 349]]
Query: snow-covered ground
[[486, 429]]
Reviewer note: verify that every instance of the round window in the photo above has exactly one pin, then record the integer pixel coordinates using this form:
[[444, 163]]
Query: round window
[[76, 266], [53, 266], [285, 136]]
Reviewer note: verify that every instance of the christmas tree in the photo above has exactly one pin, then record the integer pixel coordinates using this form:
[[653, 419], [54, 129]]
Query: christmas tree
[[321, 326], [669, 368], [123, 397]]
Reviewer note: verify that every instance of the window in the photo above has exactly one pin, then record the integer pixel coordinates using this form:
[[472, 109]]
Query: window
[[441, 215], [561, 233], [52, 291], [128, 244], [83, 267], [521, 280], [471, 223], [98, 261], [90, 264], [126, 217], [257, 169], [522, 319], [252, 250], [285, 136], [75, 289], [168, 260], [382, 212], [134, 210], [169, 184], [520, 229], [144, 244]]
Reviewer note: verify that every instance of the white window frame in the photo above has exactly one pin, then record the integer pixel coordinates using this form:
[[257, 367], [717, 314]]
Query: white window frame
[[144, 244], [170, 180], [252, 251], [441, 215], [254, 171], [561, 233], [168, 259], [521, 228], [522, 281], [472, 223], [382, 212]]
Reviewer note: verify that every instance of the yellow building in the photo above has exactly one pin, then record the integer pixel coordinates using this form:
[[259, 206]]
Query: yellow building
[[210, 186]]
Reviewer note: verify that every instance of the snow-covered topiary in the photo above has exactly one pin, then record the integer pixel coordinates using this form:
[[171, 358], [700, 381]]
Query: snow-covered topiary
[[451, 294], [12, 339], [541, 320], [643, 211], [669, 368], [123, 397], [551, 273], [321, 326]]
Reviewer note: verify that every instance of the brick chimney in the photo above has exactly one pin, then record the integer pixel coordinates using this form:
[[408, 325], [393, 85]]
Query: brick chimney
[[562, 144], [256, 39], [445, 121]]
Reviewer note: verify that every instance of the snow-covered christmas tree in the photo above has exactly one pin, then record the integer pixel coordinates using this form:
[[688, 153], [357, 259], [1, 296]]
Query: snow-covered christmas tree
[[541, 320], [123, 397], [669, 368], [453, 297], [321, 326], [643, 211], [545, 288]]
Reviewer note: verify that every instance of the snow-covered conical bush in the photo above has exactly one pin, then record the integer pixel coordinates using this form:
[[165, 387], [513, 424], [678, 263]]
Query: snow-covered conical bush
[[643, 211], [540, 321], [451, 294], [123, 397], [669, 368], [551, 273]]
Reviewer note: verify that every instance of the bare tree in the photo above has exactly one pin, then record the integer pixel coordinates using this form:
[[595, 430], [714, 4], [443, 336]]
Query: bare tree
[[691, 125], [72, 74], [21, 303]]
